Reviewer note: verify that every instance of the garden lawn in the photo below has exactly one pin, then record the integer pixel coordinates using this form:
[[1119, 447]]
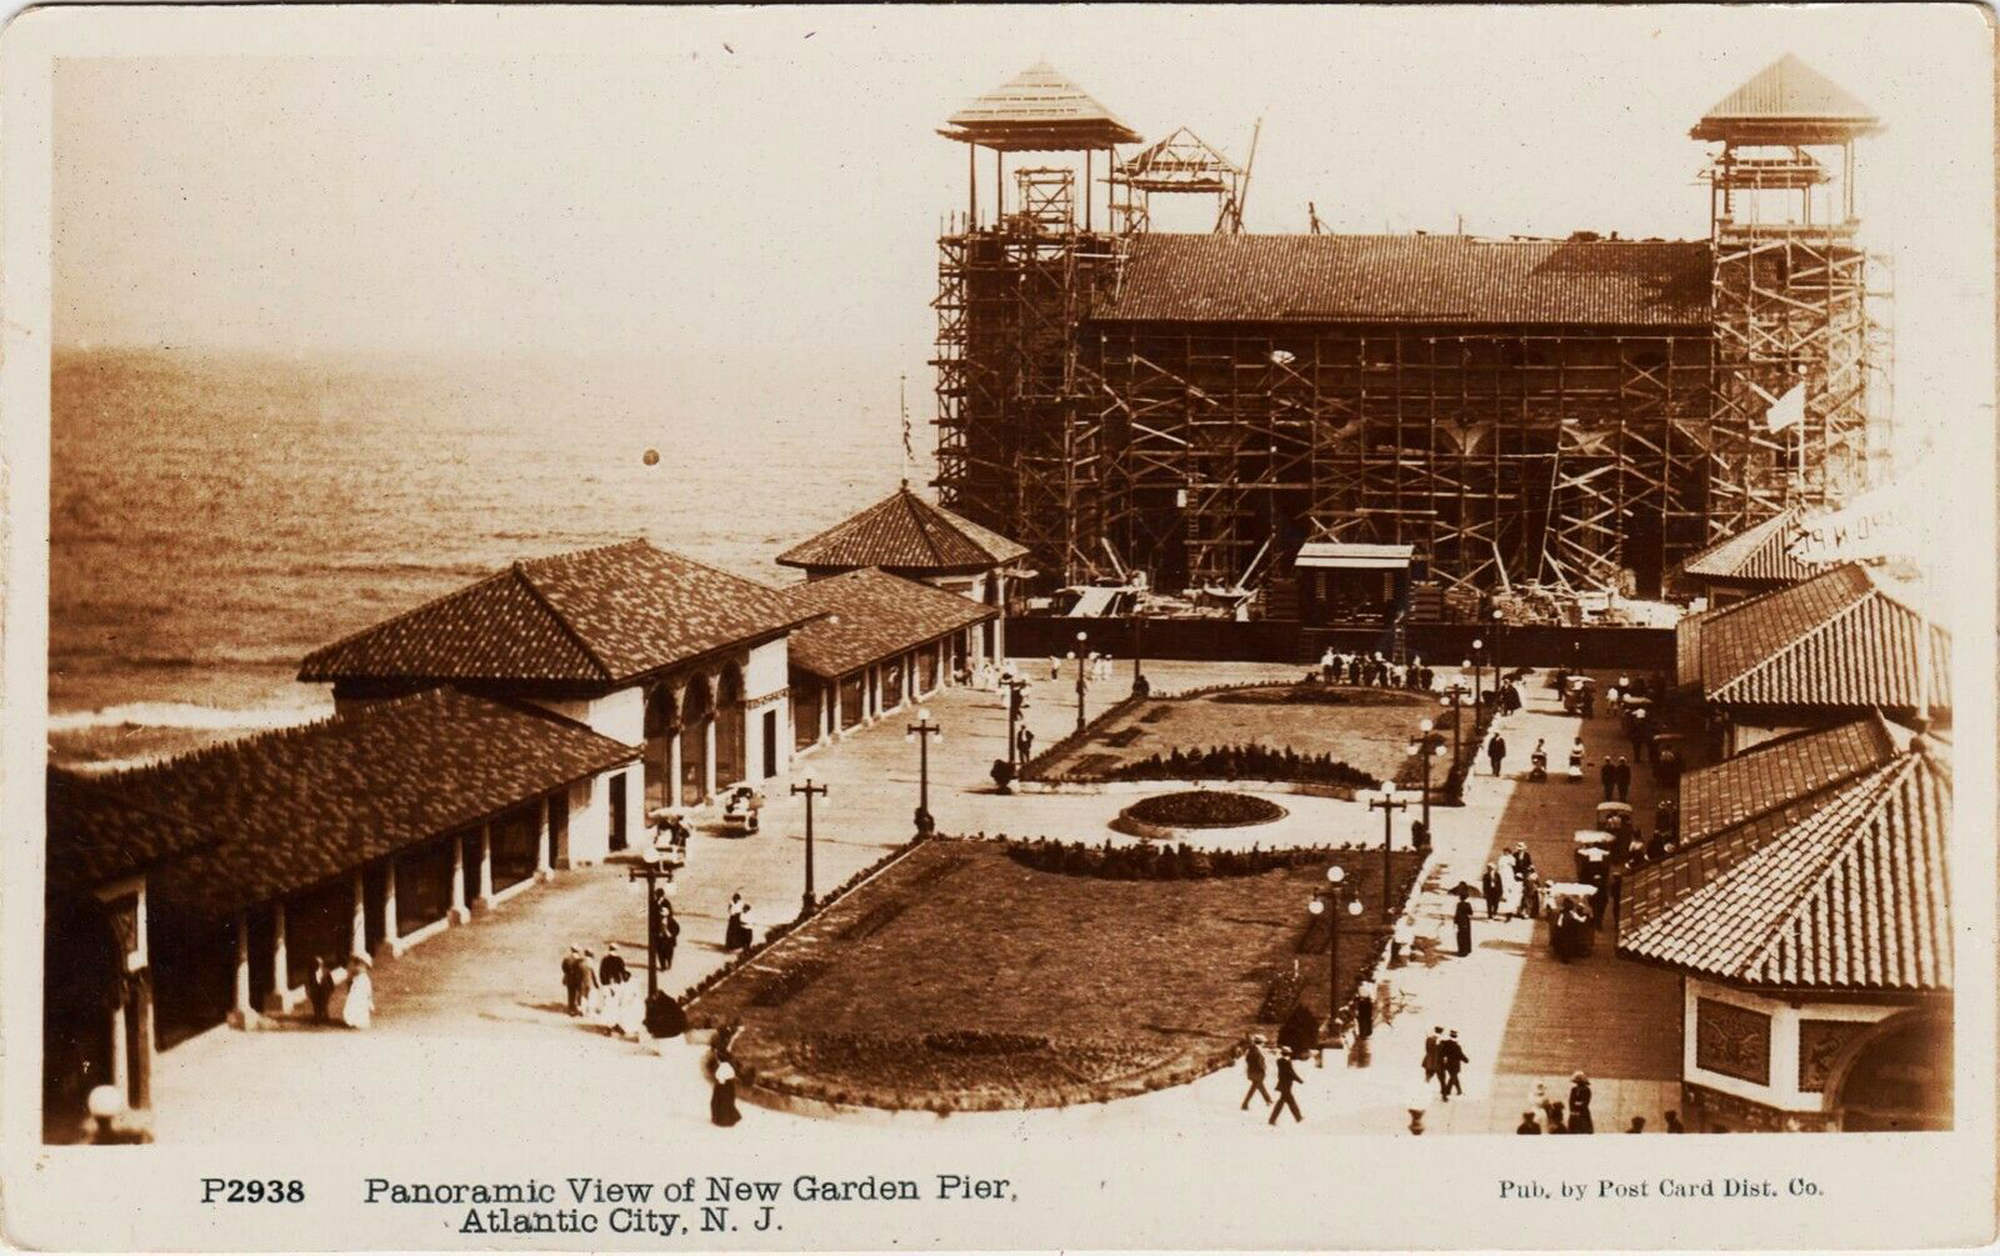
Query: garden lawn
[[1370, 729], [961, 979]]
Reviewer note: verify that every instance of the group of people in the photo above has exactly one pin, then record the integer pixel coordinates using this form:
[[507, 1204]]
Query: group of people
[[1547, 1114], [1511, 884], [1444, 1059], [1616, 777], [1255, 1068], [343, 996], [602, 992], [1374, 670], [1095, 666]]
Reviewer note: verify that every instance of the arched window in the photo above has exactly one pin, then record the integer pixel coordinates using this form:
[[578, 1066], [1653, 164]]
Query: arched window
[[731, 758], [663, 720], [697, 709]]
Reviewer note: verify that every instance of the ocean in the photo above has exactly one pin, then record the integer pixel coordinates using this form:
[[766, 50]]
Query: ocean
[[214, 517]]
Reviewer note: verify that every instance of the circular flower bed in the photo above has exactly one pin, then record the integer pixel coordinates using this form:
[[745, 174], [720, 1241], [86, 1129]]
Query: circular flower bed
[[1203, 809]]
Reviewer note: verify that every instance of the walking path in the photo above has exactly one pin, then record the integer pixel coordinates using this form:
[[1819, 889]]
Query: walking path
[[478, 1010]]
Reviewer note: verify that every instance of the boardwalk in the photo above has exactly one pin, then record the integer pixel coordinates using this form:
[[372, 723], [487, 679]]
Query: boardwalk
[[478, 1009]]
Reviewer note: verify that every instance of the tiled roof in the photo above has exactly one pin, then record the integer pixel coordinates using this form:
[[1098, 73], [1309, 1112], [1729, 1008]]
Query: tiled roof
[[97, 836], [1759, 553], [592, 616], [1038, 110], [299, 805], [1786, 91], [1442, 278], [1843, 638], [879, 615], [903, 532], [1776, 773], [1853, 897]]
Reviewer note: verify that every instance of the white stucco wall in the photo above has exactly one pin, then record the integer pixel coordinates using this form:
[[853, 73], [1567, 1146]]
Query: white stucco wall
[[765, 669], [1783, 1092]]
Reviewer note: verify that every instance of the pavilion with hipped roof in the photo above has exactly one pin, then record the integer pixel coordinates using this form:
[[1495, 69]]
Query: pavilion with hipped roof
[[1815, 947], [907, 536]]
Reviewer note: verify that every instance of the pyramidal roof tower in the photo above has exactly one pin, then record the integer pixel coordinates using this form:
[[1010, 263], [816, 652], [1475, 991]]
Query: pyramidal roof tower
[[1038, 110]]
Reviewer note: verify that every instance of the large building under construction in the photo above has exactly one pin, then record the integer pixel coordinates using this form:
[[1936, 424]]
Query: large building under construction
[[1581, 413]]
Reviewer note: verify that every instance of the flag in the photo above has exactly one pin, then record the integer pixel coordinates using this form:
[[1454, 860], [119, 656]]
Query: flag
[[1787, 410]]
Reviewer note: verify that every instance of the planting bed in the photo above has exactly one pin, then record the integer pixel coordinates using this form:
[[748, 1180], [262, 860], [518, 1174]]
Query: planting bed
[[992, 984], [1204, 809]]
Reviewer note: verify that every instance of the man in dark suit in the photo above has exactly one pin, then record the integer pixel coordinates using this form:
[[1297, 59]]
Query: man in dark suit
[[1253, 1068], [1451, 1058], [1288, 1077], [611, 969], [319, 988]]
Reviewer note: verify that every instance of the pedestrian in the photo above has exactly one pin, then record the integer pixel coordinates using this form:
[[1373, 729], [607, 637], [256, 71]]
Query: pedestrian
[[1364, 1012], [1624, 778], [1288, 1077], [722, 1099], [1461, 916], [657, 929], [588, 992], [1555, 1114], [1528, 1125], [1401, 939], [1607, 774], [572, 987], [1496, 750], [319, 988], [1026, 741], [1253, 1068], [1326, 666], [1638, 1125], [358, 1010], [1431, 1041], [611, 969], [1674, 1122], [1489, 883], [1451, 1058], [1579, 1105]]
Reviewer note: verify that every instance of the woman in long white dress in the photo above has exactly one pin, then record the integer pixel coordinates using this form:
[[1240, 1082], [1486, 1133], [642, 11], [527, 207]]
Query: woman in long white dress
[[358, 1008], [630, 1013]]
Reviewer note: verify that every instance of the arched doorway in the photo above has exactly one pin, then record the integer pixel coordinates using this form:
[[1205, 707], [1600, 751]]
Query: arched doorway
[[731, 763], [697, 711], [662, 726], [1898, 1077]]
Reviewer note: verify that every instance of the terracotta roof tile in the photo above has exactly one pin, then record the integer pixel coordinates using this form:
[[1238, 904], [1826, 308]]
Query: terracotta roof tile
[[1840, 639], [95, 835], [879, 615], [905, 533], [1776, 773], [1855, 896], [1459, 279], [299, 805], [1761, 552], [593, 616]]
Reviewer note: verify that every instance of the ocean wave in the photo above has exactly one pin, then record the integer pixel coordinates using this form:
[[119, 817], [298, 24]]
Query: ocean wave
[[190, 715]]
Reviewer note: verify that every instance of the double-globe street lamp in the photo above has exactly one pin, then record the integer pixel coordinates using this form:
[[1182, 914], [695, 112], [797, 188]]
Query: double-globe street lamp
[[1330, 902], [1082, 663], [1454, 697], [1016, 705], [921, 732], [1426, 747]]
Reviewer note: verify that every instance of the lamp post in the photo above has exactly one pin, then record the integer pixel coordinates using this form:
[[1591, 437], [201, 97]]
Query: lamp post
[[1078, 655], [811, 791], [1499, 622], [1139, 686], [1477, 666], [921, 732], [1424, 752], [649, 870], [1454, 697], [1329, 903], [1015, 686], [1389, 803]]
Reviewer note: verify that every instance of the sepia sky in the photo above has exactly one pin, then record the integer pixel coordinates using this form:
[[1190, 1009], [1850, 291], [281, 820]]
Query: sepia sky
[[758, 194]]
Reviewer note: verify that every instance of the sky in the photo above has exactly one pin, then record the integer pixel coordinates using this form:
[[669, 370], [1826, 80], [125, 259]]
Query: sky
[[749, 197]]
